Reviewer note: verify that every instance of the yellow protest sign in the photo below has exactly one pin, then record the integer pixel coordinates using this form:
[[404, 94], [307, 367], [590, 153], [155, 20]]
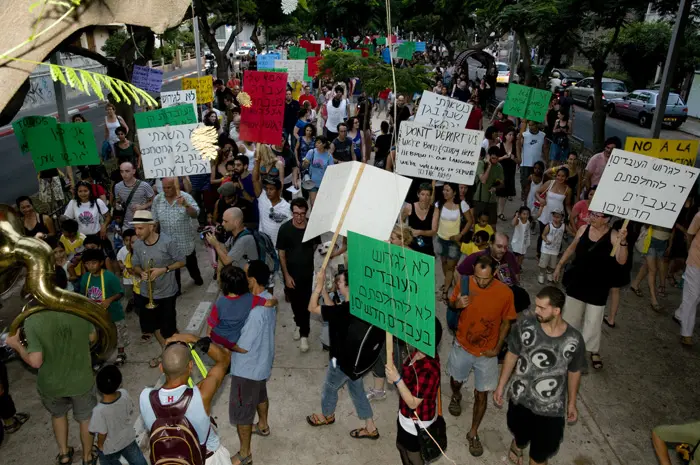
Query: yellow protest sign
[[681, 151], [204, 87]]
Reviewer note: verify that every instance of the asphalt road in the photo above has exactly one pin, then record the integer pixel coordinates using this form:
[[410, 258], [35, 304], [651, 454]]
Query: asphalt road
[[18, 177], [583, 126]]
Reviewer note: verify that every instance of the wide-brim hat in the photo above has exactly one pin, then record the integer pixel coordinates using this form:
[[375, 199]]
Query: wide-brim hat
[[142, 217]]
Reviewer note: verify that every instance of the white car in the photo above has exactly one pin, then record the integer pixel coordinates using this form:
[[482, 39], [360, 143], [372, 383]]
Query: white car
[[244, 50], [503, 73]]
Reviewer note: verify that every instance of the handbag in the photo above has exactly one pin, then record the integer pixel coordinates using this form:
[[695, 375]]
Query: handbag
[[433, 439]]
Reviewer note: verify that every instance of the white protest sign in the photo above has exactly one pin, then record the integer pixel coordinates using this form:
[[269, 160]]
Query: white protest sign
[[322, 43], [167, 151], [283, 53], [449, 155], [295, 69], [178, 97], [642, 188], [442, 112], [365, 215]]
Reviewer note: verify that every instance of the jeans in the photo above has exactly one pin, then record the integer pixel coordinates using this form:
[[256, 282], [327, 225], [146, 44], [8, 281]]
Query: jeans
[[131, 453], [192, 268], [335, 379]]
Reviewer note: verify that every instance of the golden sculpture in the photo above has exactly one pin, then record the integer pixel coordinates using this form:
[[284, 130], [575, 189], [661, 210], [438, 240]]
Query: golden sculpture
[[17, 251]]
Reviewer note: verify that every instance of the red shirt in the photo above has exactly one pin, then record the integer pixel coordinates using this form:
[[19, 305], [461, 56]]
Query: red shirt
[[309, 98], [423, 380], [384, 94], [474, 117], [98, 190]]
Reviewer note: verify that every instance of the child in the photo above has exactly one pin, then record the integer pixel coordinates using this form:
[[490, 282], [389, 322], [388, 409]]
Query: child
[[75, 268], [480, 240], [483, 224], [61, 258], [71, 239], [530, 192], [116, 227], [229, 172], [102, 286], [131, 286], [521, 234], [551, 244], [113, 420], [229, 312]]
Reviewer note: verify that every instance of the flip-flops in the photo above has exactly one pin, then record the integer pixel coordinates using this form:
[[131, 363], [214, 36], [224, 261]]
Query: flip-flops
[[261, 432]]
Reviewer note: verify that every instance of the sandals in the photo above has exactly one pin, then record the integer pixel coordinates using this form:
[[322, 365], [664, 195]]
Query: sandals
[[17, 421], [662, 291], [637, 292], [145, 338], [502, 217], [514, 451], [362, 433], [455, 408], [121, 359], [657, 308], [314, 420], [610, 325], [243, 460], [596, 361], [261, 432], [65, 459], [155, 362]]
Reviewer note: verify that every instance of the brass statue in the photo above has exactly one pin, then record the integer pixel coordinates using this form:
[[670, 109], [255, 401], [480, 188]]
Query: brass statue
[[17, 251]]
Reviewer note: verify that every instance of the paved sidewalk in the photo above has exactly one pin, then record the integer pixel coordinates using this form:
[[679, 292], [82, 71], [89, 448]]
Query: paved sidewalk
[[691, 126]]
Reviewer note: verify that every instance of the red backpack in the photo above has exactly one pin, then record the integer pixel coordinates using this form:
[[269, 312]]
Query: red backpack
[[173, 439]]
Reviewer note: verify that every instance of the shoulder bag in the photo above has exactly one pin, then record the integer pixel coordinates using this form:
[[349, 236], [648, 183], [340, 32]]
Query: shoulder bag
[[433, 439]]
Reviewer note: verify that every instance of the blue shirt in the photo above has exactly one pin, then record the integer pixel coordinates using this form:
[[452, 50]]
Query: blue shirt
[[318, 164], [258, 338]]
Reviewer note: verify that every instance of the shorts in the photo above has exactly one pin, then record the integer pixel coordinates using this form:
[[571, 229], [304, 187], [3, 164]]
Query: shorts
[[246, 395], [544, 434], [657, 248], [525, 172], [448, 249], [460, 363], [122, 334], [82, 405], [162, 318], [548, 260], [490, 208], [221, 457]]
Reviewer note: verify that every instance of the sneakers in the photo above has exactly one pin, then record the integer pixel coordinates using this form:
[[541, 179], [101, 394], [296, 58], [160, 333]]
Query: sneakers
[[550, 277], [376, 394], [304, 344], [297, 334], [475, 447], [687, 341], [540, 278]]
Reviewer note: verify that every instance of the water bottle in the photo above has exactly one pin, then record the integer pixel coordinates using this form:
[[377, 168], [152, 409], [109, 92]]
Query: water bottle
[[419, 241]]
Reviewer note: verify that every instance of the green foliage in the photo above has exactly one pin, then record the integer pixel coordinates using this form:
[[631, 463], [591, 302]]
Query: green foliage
[[116, 41], [641, 47]]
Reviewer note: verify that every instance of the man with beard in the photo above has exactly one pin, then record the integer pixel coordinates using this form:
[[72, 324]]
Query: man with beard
[[341, 147], [481, 332], [402, 113], [547, 355], [336, 113], [291, 112]]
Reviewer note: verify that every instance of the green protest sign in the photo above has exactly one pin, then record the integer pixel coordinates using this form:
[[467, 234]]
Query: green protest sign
[[67, 144], [275, 70], [297, 53], [21, 125], [175, 115], [406, 50], [381, 40], [355, 52], [393, 288], [527, 102]]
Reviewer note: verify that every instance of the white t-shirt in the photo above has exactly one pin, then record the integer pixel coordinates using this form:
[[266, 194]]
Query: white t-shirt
[[89, 218], [121, 258], [336, 115], [116, 420], [532, 148], [280, 213]]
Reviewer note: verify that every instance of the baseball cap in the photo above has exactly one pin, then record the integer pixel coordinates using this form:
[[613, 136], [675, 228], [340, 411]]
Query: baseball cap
[[558, 211], [227, 189]]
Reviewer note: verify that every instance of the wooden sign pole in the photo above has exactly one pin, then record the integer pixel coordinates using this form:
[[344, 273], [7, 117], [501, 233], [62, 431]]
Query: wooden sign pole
[[617, 244]]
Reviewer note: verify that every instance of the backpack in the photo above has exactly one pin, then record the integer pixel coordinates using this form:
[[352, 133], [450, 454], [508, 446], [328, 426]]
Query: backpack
[[266, 249], [173, 439]]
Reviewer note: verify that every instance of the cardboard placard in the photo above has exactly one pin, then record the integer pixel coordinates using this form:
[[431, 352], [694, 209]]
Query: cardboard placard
[[407, 49], [393, 288], [439, 111], [644, 189], [148, 79], [420, 46], [443, 154], [66, 144], [295, 69], [365, 215], [262, 122], [179, 97], [175, 115], [204, 87], [167, 152], [683, 151], [527, 102], [21, 125], [312, 66], [267, 61]]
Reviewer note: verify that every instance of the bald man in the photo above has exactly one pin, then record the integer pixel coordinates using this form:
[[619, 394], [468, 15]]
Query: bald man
[[174, 210], [177, 367], [241, 246]]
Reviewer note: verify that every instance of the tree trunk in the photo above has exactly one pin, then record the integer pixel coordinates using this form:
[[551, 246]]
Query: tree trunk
[[525, 57], [599, 114], [256, 38], [554, 59]]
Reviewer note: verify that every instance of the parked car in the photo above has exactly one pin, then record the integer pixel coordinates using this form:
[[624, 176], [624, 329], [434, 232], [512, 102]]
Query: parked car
[[641, 106], [503, 73], [244, 50], [560, 79], [582, 91]]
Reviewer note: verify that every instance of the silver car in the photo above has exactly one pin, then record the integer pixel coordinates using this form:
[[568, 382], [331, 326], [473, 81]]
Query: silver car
[[641, 106], [582, 92]]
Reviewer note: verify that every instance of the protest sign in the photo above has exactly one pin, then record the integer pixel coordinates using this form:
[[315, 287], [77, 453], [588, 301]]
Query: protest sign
[[297, 53], [21, 125], [262, 122], [365, 214], [179, 114], [386, 55], [407, 49], [442, 112], [381, 40], [443, 154], [320, 45], [312, 66], [527, 102], [283, 54], [420, 46], [295, 69], [204, 87], [393, 288], [644, 189], [179, 97], [148, 79], [681, 151], [66, 144], [167, 151], [267, 61]]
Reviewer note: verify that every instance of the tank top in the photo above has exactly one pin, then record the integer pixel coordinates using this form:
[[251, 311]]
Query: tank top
[[304, 146], [112, 127], [554, 202], [531, 195], [521, 238], [335, 115], [415, 222], [39, 227], [588, 279], [448, 224], [250, 153], [357, 145], [554, 237]]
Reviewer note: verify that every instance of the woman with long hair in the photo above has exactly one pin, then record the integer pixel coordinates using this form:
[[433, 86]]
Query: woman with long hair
[[357, 137], [212, 119], [455, 220], [35, 224], [509, 161], [125, 150], [306, 142], [560, 138], [91, 213], [267, 164], [491, 138], [227, 152], [112, 122]]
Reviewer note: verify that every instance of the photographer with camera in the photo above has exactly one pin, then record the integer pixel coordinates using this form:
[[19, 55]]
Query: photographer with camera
[[241, 246]]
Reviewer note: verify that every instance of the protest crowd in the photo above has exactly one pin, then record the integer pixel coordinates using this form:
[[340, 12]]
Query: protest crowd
[[128, 237]]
